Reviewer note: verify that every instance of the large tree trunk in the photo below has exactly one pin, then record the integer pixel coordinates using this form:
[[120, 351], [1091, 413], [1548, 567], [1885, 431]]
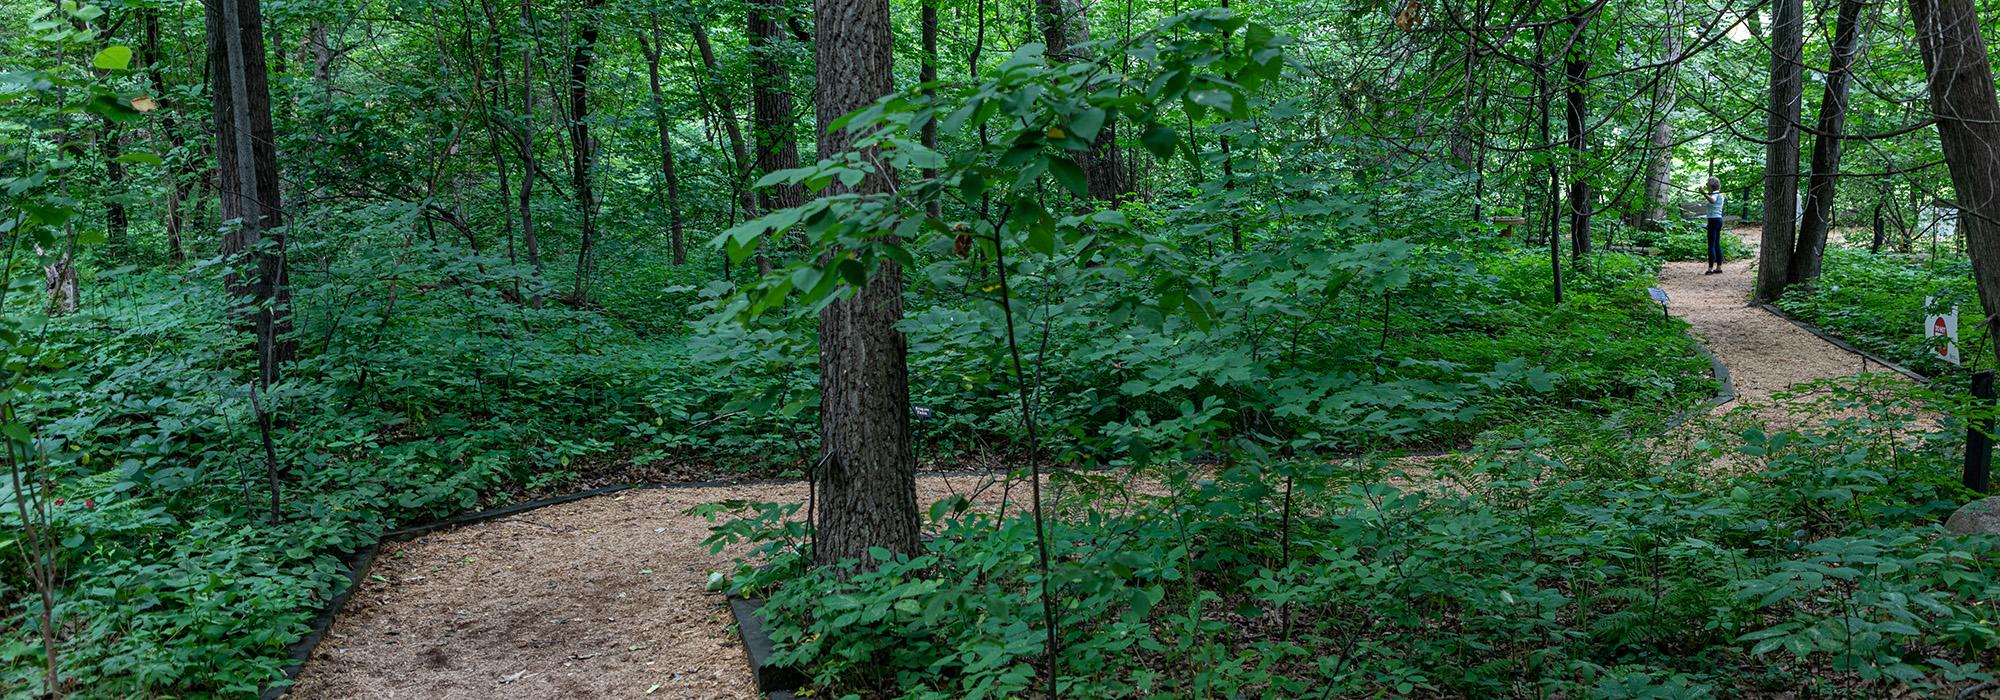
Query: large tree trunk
[[1781, 153], [247, 177], [1962, 98], [1659, 172], [771, 103], [1825, 174], [582, 149], [1576, 70], [867, 479], [675, 234]]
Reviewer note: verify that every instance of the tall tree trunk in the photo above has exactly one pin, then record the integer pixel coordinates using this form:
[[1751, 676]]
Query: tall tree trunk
[[529, 241], [1962, 98], [1543, 96], [1576, 70], [1825, 172], [741, 162], [1781, 153], [582, 150], [675, 234], [1659, 172], [247, 177], [867, 481], [928, 74], [771, 103]]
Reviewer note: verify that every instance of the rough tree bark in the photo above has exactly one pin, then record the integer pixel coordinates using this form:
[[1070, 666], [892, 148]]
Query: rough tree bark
[[582, 149], [676, 235], [772, 115], [1962, 98], [1825, 173], [1781, 153], [866, 481], [247, 177]]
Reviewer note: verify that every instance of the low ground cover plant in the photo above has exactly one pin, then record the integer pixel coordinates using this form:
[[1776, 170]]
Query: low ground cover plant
[[1736, 563], [1876, 301]]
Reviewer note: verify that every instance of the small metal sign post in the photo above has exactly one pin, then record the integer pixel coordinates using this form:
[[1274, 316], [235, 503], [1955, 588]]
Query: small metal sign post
[[1659, 295], [1979, 436]]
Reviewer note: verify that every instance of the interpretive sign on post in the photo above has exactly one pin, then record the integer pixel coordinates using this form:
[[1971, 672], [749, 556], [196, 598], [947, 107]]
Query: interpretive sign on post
[[1659, 295], [1941, 325]]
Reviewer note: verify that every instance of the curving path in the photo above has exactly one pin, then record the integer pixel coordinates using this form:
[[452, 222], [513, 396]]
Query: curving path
[[604, 597], [1765, 354]]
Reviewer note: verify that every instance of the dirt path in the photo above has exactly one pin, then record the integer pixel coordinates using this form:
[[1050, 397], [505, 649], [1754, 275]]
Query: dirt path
[[604, 597], [598, 598], [1765, 354]]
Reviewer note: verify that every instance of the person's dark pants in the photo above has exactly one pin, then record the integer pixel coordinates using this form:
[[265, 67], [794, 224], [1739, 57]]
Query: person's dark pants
[[1715, 241]]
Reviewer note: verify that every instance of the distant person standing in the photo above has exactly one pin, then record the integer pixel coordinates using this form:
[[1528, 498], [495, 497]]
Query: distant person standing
[[1715, 201]]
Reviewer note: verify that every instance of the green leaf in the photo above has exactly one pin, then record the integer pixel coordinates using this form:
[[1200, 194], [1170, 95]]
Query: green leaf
[[140, 157], [1087, 124], [852, 271], [1160, 139], [880, 553], [1070, 175], [113, 57]]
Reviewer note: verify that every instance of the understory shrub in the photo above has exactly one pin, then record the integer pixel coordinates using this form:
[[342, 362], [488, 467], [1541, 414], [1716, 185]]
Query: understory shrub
[[1722, 564], [1876, 301]]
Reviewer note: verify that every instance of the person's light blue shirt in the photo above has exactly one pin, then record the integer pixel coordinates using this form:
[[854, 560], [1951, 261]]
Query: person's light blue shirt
[[1715, 202]]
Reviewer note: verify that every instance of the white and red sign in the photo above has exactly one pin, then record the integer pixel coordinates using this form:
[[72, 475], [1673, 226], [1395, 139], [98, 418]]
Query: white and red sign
[[1943, 325]]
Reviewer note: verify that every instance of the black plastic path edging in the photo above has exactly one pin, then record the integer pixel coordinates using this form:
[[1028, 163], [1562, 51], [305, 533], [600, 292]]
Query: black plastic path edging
[[1723, 394], [357, 563], [1843, 344], [757, 645]]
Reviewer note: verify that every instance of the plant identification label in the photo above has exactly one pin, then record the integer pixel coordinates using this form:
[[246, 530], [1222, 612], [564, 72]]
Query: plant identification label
[[1942, 325]]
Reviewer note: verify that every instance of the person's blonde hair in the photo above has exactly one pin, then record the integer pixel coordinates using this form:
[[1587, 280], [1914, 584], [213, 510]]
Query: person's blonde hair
[[1714, 185]]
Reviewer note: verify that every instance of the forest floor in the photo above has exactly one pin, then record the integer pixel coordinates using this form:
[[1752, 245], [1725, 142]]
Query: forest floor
[[606, 597]]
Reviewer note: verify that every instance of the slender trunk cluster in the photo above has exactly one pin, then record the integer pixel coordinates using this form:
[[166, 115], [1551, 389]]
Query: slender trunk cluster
[[1659, 169], [740, 156], [1825, 175]]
